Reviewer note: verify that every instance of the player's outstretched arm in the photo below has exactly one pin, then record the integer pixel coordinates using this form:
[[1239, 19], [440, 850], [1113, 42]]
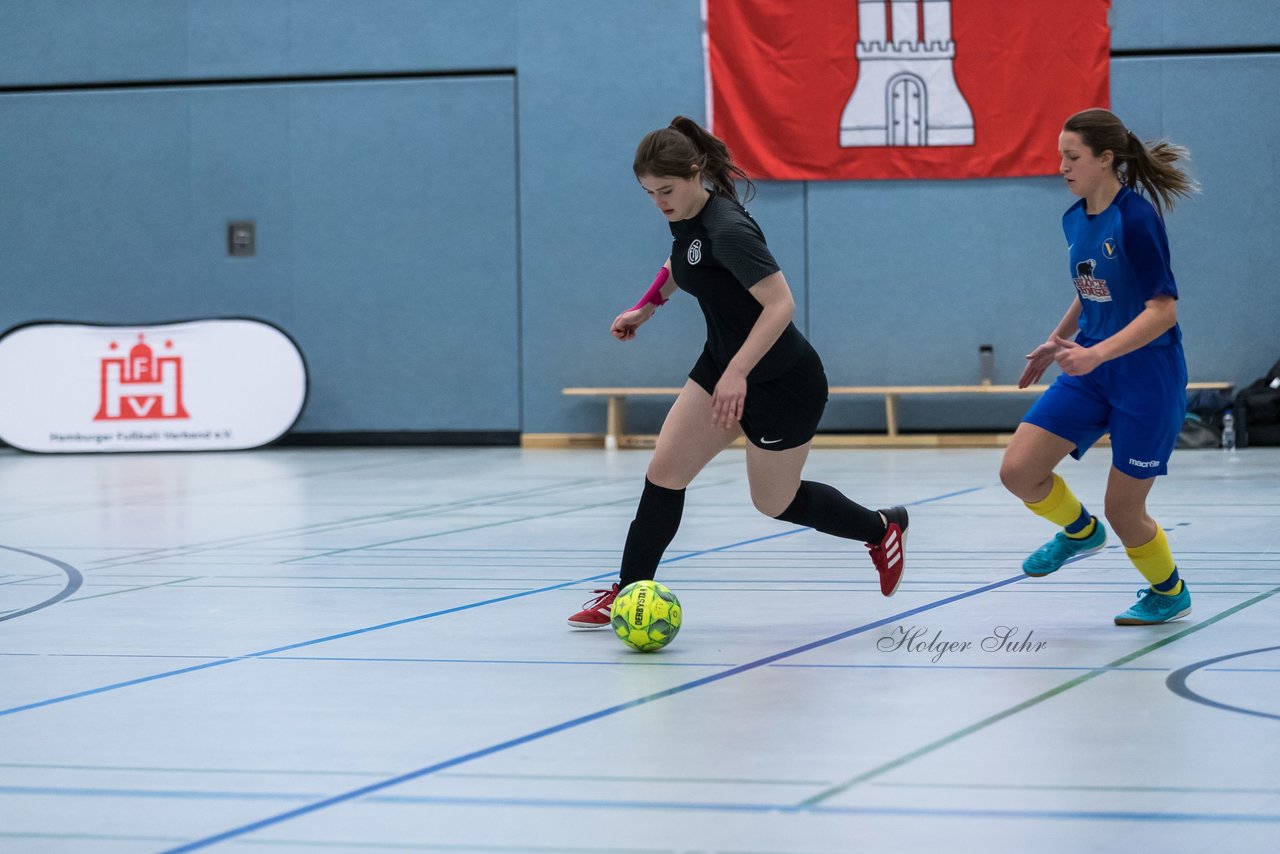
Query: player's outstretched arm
[[624, 325], [1039, 359]]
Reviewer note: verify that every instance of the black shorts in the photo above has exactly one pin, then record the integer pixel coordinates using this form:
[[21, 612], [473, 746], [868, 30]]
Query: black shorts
[[781, 412]]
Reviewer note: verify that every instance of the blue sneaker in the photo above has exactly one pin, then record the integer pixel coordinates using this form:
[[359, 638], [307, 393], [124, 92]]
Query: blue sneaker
[[1052, 555], [1152, 609]]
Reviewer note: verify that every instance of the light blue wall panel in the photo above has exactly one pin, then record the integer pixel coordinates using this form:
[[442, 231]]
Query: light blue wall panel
[[97, 207], [386, 231], [908, 279], [78, 41], [1154, 24], [594, 78], [404, 248], [1225, 255], [388, 211], [779, 208], [905, 279]]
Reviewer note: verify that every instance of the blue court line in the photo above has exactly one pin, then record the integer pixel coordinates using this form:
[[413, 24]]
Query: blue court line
[[74, 580], [1242, 670], [168, 794], [668, 806], [1200, 585], [115, 686], [655, 662], [660, 663], [944, 496], [505, 745], [578, 721], [921, 812], [973, 666], [925, 812], [87, 837]]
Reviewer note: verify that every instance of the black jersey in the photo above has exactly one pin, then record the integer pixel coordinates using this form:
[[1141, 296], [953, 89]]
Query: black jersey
[[717, 256]]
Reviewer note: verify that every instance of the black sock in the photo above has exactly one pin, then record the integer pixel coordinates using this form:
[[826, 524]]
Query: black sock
[[825, 508], [657, 520]]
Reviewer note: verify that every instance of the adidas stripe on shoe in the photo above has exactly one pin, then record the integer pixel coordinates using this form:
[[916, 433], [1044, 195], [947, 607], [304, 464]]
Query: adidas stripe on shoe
[[595, 612], [889, 555]]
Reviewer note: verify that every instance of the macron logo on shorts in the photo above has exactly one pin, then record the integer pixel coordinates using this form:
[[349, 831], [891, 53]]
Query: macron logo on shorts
[[1147, 464]]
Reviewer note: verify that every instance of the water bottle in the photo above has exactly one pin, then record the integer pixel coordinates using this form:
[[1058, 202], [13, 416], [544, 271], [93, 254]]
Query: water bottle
[[1228, 431]]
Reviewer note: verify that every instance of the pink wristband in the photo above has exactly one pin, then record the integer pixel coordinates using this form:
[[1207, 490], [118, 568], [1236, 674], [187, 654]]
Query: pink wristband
[[654, 294]]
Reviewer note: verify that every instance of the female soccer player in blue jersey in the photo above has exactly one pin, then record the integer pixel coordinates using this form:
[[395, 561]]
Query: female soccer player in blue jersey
[[1123, 374], [757, 375]]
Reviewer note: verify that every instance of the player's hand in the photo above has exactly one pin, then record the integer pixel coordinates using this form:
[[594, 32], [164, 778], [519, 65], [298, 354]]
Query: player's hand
[[1073, 359], [1038, 360], [625, 325], [728, 400]]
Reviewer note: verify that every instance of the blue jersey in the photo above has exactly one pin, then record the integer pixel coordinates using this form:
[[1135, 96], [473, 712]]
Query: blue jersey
[[1119, 260]]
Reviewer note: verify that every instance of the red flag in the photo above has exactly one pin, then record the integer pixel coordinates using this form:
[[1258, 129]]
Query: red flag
[[847, 89]]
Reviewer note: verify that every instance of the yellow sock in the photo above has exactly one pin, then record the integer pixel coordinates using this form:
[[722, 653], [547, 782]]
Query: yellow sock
[[1086, 531], [1062, 508], [1155, 561]]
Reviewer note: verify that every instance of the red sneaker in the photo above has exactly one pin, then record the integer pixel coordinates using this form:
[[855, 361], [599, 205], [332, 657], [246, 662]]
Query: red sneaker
[[595, 613], [889, 555]]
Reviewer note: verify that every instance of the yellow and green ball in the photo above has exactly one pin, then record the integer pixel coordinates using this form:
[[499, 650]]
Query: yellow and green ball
[[645, 615]]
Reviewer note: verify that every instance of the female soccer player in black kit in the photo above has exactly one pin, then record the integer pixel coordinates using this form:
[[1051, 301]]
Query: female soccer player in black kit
[[757, 375]]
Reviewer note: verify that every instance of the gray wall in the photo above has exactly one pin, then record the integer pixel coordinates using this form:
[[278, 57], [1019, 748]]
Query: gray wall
[[449, 229]]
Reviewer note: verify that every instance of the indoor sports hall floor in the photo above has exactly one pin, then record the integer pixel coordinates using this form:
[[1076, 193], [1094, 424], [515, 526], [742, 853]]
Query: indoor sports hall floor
[[366, 651]]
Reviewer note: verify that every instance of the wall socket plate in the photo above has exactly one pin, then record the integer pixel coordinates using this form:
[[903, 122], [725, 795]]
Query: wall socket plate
[[242, 239]]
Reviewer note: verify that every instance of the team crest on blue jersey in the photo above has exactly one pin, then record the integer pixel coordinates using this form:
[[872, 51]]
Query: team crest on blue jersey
[[1089, 285], [1109, 247]]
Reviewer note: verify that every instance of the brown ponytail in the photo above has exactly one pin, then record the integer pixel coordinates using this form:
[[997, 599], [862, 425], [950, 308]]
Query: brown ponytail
[[684, 148], [1149, 167]]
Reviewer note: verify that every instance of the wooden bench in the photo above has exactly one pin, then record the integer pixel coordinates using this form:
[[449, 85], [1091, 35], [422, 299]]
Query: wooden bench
[[615, 435]]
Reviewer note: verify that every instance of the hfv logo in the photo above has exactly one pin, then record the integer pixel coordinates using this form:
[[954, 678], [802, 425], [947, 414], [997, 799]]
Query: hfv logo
[[141, 386], [906, 92]]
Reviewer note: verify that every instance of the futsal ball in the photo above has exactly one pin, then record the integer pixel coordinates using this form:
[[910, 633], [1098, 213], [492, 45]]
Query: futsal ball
[[645, 615]]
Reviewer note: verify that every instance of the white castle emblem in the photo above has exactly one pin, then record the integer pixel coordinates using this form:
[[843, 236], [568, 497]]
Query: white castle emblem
[[906, 92]]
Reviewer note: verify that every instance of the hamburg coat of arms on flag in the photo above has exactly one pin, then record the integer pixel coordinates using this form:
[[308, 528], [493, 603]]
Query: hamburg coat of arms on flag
[[838, 89]]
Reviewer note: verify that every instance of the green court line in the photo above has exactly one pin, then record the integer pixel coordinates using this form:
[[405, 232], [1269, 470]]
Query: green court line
[[133, 589], [1026, 704]]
